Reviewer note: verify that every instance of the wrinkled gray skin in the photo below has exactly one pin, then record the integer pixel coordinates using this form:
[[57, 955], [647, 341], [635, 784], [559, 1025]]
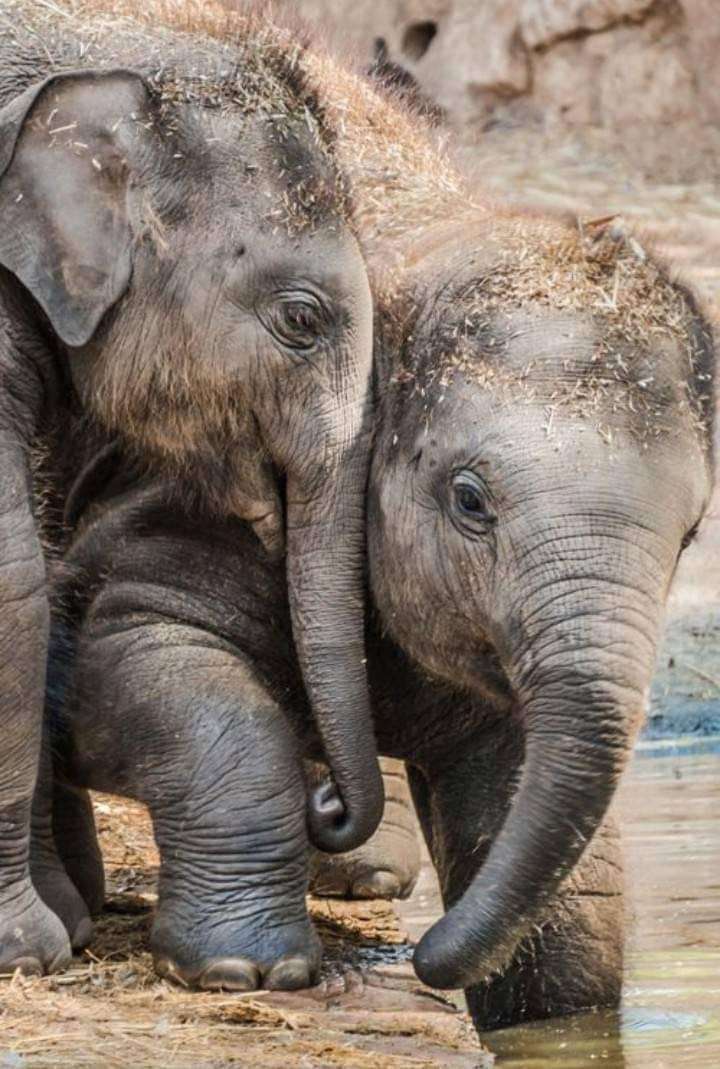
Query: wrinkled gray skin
[[543, 456], [176, 682], [540, 460], [175, 266]]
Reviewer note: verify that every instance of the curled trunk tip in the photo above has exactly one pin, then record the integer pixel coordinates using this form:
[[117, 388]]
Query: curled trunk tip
[[554, 815]]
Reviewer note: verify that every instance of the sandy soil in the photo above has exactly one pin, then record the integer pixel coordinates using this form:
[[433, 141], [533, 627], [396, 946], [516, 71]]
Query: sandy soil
[[110, 1010]]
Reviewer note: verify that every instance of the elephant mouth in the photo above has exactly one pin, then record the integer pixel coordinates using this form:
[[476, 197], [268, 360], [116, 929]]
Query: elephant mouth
[[269, 527]]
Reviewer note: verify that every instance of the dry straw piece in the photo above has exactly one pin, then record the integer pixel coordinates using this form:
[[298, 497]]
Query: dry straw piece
[[110, 1009]]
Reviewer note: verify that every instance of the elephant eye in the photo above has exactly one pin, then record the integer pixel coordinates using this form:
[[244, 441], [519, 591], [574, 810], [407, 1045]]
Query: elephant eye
[[470, 499], [298, 321]]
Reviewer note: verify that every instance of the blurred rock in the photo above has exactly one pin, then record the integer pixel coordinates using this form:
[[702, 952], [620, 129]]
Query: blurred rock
[[641, 73], [703, 25], [545, 21]]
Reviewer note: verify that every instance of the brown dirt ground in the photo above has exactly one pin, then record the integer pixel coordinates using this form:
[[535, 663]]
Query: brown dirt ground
[[110, 1009]]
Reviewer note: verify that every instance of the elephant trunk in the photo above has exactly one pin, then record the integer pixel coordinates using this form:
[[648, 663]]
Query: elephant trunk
[[580, 707], [326, 581]]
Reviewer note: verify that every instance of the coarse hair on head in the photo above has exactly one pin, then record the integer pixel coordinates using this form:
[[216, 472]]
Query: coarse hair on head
[[651, 367]]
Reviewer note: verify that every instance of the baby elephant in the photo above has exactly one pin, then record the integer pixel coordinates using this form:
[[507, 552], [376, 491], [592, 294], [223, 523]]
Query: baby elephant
[[178, 265], [542, 455]]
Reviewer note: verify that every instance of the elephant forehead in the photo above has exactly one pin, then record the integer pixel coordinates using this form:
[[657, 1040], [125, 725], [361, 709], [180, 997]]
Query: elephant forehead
[[537, 343], [543, 344], [565, 355], [576, 363], [561, 306], [276, 172]]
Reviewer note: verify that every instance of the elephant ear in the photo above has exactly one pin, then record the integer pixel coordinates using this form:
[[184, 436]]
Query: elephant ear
[[65, 227]]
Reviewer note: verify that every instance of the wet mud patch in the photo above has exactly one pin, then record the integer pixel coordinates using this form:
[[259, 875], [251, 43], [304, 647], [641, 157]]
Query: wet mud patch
[[110, 1009]]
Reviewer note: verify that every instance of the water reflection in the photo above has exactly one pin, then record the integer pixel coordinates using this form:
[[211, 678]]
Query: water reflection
[[570, 1043], [634, 1038]]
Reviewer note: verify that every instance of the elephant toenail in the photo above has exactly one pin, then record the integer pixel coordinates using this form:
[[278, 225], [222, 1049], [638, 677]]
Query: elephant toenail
[[329, 886], [83, 934], [230, 974], [380, 884], [61, 961], [289, 974], [167, 969]]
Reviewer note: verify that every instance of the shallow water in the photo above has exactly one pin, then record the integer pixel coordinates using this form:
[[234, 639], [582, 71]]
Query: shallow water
[[670, 806]]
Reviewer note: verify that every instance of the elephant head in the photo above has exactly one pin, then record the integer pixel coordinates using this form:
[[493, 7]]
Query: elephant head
[[543, 456], [178, 243]]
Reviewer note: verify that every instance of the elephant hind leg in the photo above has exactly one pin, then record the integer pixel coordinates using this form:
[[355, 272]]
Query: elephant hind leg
[[49, 876], [388, 864]]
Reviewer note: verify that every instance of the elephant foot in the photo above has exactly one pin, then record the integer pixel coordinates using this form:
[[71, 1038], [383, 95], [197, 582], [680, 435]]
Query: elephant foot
[[60, 895], [387, 866], [361, 874], [225, 958], [32, 938]]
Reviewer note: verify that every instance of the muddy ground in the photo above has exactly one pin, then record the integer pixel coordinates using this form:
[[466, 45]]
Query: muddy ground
[[370, 1011]]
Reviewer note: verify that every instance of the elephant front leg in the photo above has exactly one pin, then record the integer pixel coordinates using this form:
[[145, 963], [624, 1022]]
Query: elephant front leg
[[163, 714], [32, 938], [387, 866], [574, 959]]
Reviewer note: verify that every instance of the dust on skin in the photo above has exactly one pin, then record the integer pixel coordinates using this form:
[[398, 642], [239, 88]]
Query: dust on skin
[[411, 204], [619, 307]]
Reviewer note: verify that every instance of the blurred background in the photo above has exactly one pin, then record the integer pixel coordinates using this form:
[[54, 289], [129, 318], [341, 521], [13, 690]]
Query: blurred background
[[638, 79]]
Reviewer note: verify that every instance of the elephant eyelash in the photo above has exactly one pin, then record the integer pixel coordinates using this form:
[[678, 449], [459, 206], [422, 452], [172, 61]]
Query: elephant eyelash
[[298, 320]]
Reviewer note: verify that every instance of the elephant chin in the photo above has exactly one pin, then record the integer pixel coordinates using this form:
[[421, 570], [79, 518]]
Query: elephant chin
[[575, 750]]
